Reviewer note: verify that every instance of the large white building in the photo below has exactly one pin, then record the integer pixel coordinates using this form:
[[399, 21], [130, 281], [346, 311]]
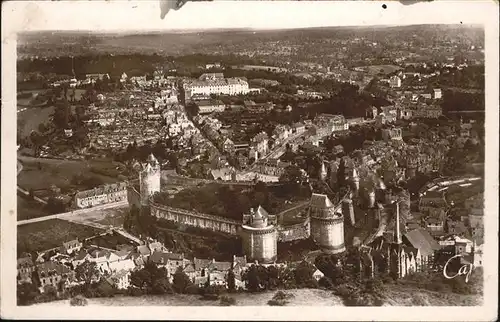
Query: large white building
[[215, 83], [101, 195]]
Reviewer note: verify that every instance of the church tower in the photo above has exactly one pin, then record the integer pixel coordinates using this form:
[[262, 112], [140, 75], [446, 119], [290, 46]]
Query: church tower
[[149, 178]]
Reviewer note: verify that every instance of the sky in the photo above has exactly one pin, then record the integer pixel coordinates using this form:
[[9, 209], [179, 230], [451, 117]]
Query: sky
[[121, 15]]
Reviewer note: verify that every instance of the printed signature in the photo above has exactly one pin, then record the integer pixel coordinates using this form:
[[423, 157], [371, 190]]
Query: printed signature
[[464, 269]]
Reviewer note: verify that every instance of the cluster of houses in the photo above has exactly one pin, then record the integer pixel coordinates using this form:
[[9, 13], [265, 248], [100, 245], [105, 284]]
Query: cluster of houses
[[116, 265]]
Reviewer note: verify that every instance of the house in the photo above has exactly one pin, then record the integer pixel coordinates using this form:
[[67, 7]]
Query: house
[[52, 274], [298, 128], [101, 195], [201, 266], [228, 146], [317, 275], [120, 279], [432, 199], [72, 246], [80, 258], [156, 246], [427, 246], [171, 261], [121, 264], [260, 143], [143, 251], [395, 81], [437, 94], [394, 133], [189, 270], [223, 174], [25, 268], [217, 272]]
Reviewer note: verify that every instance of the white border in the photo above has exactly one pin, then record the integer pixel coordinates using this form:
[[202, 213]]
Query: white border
[[14, 18]]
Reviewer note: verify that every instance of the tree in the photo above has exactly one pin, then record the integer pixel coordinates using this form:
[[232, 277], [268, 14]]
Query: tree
[[253, 279], [181, 281], [230, 281], [292, 174], [78, 300], [304, 275], [87, 272], [26, 293]]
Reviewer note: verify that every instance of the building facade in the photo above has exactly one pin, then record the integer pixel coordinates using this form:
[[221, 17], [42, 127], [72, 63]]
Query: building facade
[[101, 195]]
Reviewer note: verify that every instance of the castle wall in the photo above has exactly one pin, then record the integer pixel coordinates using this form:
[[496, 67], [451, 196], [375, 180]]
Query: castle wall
[[260, 244], [328, 234], [295, 232], [195, 219]]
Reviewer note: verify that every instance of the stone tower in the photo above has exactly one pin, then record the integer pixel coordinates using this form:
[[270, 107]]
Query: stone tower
[[260, 236], [327, 224], [149, 178]]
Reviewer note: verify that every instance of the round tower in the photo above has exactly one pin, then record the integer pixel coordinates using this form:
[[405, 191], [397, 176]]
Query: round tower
[[327, 224], [149, 178], [260, 237]]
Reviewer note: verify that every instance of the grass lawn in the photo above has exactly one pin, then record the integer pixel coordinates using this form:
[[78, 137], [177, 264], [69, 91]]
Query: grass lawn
[[28, 209], [50, 234], [61, 172], [29, 119]]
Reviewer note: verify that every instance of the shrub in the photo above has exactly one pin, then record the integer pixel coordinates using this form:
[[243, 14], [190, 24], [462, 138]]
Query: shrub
[[277, 302], [227, 301], [78, 300]]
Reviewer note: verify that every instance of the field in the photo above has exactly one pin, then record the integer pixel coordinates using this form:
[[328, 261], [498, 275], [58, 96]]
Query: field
[[107, 217], [50, 234], [61, 172], [28, 209], [375, 69]]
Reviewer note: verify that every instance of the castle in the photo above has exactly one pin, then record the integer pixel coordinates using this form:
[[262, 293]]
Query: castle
[[260, 231]]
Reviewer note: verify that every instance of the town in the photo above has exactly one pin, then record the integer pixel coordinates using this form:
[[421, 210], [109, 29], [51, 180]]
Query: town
[[270, 163]]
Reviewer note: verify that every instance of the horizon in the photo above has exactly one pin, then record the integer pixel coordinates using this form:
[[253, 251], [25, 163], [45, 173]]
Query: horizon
[[248, 29], [139, 17]]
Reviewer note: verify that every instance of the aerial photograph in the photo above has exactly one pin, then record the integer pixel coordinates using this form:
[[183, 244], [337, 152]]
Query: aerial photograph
[[326, 166]]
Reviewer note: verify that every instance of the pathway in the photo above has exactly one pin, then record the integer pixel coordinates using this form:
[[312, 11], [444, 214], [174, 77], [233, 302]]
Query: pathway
[[67, 215]]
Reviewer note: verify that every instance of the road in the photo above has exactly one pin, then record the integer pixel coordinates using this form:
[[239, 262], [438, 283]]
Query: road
[[68, 215]]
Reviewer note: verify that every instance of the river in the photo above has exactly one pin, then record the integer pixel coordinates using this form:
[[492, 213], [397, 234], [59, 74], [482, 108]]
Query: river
[[302, 297]]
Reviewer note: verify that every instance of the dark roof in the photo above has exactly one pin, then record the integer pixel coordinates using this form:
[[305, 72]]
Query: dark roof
[[81, 255], [201, 263], [422, 240], [220, 266], [162, 257], [50, 266], [261, 213], [143, 250], [320, 201], [24, 261]]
